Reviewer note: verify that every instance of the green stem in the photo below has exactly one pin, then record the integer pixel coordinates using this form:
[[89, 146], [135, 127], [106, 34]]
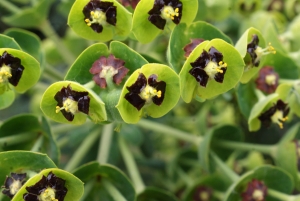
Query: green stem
[[47, 29], [38, 144], [105, 142], [280, 196], [90, 84], [184, 176], [51, 71], [226, 170], [88, 187], [63, 128], [131, 166], [219, 195], [112, 190], [266, 149], [82, 150], [16, 139], [169, 131], [9, 6]]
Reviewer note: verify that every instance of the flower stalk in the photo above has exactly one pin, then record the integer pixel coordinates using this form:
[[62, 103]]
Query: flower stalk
[[105, 142], [112, 190], [38, 144], [9, 6], [16, 139]]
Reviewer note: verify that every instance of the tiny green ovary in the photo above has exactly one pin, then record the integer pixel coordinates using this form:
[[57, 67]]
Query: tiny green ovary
[[149, 92], [48, 195], [69, 105], [97, 17], [5, 74], [213, 68], [168, 12]]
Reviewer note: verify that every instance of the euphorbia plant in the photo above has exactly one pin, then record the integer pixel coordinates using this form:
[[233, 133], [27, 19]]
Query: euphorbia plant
[[149, 100]]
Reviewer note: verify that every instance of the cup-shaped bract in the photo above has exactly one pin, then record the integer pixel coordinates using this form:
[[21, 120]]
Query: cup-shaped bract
[[18, 70], [58, 103], [55, 183], [248, 46], [152, 90], [100, 20], [217, 55], [167, 13]]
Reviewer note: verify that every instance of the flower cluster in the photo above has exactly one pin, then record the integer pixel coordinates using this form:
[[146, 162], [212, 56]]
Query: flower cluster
[[69, 102], [145, 91], [209, 65], [267, 80], [11, 70], [50, 188], [98, 13], [13, 184], [256, 191], [164, 11]]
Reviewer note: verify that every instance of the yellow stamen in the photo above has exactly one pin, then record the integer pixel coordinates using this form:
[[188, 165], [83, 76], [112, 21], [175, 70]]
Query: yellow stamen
[[87, 20]]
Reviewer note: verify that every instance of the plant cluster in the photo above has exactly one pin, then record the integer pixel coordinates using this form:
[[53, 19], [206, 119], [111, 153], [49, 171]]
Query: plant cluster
[[159, 100]]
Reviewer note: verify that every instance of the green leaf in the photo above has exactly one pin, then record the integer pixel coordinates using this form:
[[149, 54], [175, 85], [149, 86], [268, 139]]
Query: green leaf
[[28, 41], [118, 32], [246, 98], [273, 177], [48, 104], [8, 42], [286, 154], [21, 161], [31, 73], [31, 16], [262, 105], [73, 184], [164, 73], [145, 31], [241, 46], [189, 87], [96, 172], [6, 99], [197, 30], [155, 194]]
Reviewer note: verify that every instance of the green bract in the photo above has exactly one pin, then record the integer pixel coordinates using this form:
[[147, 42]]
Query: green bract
[[130, 114], [182, 35], [145, 31], [8, 42], [241, 46], [31, 72], [97, 111], [79, 71], [119, 32], [190, 88], [253, 121], [73, 184]]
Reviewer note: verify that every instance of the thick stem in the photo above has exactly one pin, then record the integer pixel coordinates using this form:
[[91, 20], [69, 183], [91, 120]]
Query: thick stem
[[82, 150], [224, 168], [112, 190], [280, 196], [38, 144], [16, 139], [47, 29], [131, 166], [169, 131], [266, 149], [105, 142], [9, 6]]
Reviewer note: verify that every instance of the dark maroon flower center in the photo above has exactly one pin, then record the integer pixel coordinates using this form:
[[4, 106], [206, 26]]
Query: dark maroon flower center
[[202, 193], [69, 102], [276, 114], [108, 68], [48, 188], [209, 65], [267, 80], [165, 10], [10, 69], [13, 184], [98, 13], [256, 191], [141, 92]]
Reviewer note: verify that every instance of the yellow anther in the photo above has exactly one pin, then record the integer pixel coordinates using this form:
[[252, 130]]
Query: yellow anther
[[87, 20], [92, 13], [57, 109], [219, 70], [177, 14], [177, 10], [280, 125], [220, 63], [172, 17], [154, 90]]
